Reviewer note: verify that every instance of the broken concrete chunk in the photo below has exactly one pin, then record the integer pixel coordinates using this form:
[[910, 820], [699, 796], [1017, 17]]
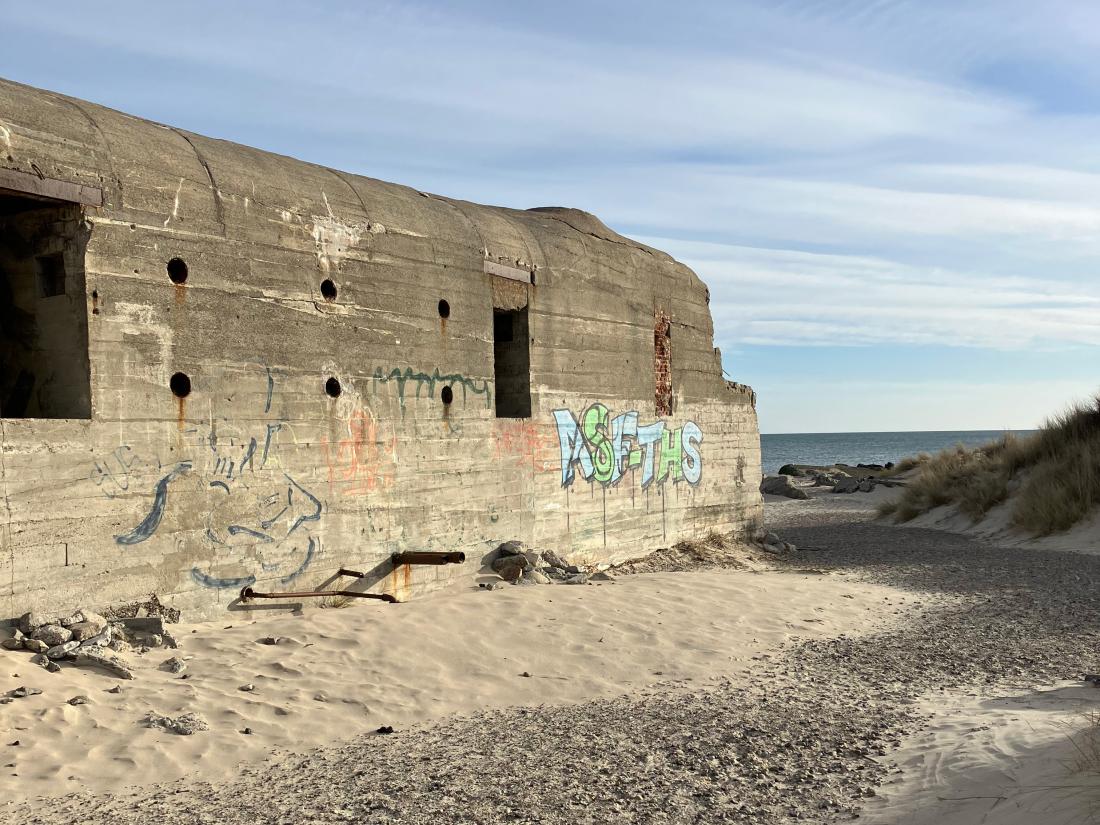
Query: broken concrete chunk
[[84, 630], [511, 548], [98, 640], [62, 651], [23, 691], [552, 559], [52, 634], [30, 622], [184, 725], [98, 658], [173, 665], [143, 624]]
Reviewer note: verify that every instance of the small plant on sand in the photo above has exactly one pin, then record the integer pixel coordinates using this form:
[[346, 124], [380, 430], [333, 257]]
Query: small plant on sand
[[1054, 476]]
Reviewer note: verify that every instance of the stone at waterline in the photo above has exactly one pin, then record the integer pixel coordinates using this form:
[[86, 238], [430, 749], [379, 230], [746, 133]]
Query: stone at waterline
[[789, 470], [782, 486], [846, 485]]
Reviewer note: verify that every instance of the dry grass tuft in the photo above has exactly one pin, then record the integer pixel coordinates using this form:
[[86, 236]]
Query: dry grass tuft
[[1055, 475], [334, 602], [910, 462]]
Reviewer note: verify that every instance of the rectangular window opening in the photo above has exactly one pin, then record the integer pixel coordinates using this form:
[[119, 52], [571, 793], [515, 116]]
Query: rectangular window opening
[[44, 370], [662, 362], [512, 363]]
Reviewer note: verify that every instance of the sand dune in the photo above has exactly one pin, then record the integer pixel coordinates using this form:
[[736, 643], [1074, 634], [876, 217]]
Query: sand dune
[[342, 673]]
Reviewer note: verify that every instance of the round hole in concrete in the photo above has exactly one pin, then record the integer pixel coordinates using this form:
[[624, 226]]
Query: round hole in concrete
[[180, 384], [447, 395], [332, 387], [444, 309], [177, 271], [328, 289]]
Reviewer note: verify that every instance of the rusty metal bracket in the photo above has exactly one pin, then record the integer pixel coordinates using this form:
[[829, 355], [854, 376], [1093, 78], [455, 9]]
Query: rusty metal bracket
[[248, 594], [427, 557]]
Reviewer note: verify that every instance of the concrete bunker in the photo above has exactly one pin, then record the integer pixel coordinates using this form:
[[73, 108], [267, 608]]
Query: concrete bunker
[[260, 372]]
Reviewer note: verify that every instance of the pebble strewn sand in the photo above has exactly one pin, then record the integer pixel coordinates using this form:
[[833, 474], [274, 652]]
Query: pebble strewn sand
[[813, 731]]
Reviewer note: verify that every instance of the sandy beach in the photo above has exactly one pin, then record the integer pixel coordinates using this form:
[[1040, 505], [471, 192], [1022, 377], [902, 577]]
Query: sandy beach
[[905, 675]]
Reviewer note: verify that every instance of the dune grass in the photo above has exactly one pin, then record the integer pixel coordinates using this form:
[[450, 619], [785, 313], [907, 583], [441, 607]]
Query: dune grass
[[1052, 477]]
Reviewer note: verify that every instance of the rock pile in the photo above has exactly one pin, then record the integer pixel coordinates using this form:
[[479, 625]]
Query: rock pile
[[86, 639], [517, 564]]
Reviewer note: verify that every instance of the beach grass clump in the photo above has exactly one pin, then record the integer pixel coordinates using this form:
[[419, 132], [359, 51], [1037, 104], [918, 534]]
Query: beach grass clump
[[1053, 476]]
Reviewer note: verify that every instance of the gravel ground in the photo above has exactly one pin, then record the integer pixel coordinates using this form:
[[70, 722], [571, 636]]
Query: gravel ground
[[797, 745]]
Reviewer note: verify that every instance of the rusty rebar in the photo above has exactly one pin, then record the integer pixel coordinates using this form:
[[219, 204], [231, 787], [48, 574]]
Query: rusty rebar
[[247, 594], [427, 557]]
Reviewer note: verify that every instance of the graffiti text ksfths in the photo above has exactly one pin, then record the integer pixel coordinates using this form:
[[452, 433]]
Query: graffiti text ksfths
[[604, 448]]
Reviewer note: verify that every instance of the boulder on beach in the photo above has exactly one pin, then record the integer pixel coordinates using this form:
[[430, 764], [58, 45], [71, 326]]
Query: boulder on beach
[[789, 470], [846, 485], [782, 486]]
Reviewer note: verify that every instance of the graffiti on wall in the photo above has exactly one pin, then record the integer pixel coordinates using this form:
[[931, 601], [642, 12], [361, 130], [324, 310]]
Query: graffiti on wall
[[524, 443], [364, 461], [604, 449], [229, 497]]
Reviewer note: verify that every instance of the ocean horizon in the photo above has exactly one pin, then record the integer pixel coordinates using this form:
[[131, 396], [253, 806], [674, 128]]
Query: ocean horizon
[[778, 449]]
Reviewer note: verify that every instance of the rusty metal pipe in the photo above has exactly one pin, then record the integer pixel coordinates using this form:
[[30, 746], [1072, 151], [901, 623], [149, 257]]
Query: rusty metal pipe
[[248, 594], [426, 557]]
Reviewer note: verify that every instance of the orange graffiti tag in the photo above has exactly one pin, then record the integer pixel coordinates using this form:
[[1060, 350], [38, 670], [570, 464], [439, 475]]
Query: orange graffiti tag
[[524, 443], [363, 462]]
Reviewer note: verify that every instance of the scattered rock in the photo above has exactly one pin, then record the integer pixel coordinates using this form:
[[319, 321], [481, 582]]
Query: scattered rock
[[115, 689], [273, 640], [782, 486], [79, 700], [489, 585], [62, 651], [247, 688], [552, 559], [601, 576], [320, 696], [35, 645], [98, 640], [23, 692], [535, 577], [184, 725], [12, 644], [30, 622], [510, 568], [247, 731], [846, 485], [83, 631], [52, 635], [173, 665], [526, 675], [511, 548], [579, 578], [40, 659], [867, 485], [98, 658], [385, 729]]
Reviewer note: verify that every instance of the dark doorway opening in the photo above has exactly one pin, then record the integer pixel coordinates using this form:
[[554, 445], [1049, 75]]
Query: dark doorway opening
[[512, 363], [44, 370]]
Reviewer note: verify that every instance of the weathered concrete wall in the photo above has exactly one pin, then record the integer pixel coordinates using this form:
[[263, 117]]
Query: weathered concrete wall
[[259, 475]]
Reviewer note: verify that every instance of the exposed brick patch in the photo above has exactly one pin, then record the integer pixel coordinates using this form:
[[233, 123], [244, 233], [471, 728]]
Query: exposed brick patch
[[662, 361]]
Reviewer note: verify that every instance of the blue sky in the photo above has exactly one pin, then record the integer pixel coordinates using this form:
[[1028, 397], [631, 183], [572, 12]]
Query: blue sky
[[896, 203]]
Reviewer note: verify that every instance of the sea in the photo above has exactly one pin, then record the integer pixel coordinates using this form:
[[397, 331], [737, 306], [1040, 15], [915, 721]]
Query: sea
[[866, 448]]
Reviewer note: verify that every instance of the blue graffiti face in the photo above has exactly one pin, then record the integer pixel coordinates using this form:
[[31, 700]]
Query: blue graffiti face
[[256, 515], [605, 448]]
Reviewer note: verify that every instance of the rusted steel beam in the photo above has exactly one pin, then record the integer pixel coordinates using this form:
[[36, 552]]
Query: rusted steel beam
[[248, 594], [426, 557]]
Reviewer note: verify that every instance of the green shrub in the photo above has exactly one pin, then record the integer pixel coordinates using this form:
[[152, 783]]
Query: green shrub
[[1058, 469]]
